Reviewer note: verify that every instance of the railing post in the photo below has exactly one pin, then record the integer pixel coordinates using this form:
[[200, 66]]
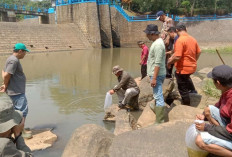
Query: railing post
[[215, 16], [69, 1]]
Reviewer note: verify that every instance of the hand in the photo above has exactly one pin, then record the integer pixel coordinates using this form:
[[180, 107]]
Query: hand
[[111, 92], [153, 82], [200, 117], [2, 88], [140, 63], [169, 52], [200, 126]]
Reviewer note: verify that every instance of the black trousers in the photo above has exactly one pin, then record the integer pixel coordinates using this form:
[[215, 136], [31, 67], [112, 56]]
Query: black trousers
[[185, 86], [143, 71], [168, 71]]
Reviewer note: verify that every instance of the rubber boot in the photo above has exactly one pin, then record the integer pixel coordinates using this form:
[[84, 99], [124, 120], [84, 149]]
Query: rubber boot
[[152, 106], [159, 111]]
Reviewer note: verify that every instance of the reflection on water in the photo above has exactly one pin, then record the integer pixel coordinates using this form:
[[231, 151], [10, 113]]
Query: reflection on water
[[67, 89]]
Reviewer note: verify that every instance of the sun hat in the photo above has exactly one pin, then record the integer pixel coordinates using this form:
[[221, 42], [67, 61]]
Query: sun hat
[[20, 46], [116, 69], [9, 117]]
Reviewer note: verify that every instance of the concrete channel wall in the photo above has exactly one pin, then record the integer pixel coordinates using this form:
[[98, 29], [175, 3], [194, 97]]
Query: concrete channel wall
[[41, 37]]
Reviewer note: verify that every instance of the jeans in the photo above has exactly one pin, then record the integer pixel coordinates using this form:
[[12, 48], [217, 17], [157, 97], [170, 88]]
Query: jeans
[[215, 113], [158, 90], [20, 103]]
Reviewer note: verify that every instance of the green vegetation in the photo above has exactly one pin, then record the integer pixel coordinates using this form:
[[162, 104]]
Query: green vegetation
[[184, 7], [210, 89], [29, 3], [221, 50]]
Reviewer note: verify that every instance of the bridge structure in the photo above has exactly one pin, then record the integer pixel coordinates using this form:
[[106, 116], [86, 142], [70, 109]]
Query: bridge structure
[[8, 12]]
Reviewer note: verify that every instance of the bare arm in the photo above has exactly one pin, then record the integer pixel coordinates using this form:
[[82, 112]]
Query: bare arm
[[6, 79], [173, 59]]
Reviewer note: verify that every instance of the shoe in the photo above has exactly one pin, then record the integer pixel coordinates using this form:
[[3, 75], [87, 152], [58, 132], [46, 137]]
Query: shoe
[[121, 106], [27, 134]]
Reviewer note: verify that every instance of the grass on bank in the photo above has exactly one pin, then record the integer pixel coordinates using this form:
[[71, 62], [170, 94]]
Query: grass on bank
[[210, 89], [221, 50]]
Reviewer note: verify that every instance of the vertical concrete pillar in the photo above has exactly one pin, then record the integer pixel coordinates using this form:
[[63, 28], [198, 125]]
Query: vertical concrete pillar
[[8, 16], [85, 15], [105, 25], [64, 14]]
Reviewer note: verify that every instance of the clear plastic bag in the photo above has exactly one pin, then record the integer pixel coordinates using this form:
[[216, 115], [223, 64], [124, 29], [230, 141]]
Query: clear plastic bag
[[193, 149], [108, 101]]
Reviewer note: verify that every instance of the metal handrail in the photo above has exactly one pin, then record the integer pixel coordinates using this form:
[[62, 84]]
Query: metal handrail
[[23, 8]]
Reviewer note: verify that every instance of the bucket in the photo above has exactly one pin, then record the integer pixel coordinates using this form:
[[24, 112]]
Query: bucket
[[195, 153]]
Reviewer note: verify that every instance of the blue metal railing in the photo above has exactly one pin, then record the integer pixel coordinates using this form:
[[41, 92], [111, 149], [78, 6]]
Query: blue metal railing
[[116, 4], [22, 8], [204, 18]]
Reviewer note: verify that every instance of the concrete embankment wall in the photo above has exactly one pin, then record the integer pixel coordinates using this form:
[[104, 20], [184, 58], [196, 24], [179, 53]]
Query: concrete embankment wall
[[38, 37], [211, 34], [126, 34], [85, 17]]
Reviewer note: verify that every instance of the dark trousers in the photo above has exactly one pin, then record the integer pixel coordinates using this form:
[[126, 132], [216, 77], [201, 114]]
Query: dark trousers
[[168, 71], [143, 71], [185, 86]]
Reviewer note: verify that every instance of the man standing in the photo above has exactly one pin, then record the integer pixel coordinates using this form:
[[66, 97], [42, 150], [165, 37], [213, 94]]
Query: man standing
[[144, 56], [170, 49], [185, 58], [127, 89], [156, 70], [14, 82], [167, 24]]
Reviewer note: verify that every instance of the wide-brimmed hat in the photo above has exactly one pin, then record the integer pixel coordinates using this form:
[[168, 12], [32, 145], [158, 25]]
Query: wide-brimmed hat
[[222, 73], [116, 69], [9, 117], [152, 29]]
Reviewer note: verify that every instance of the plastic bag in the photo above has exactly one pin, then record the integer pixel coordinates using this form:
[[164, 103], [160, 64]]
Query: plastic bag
[[190, 138], [193, 149], [108, 101]]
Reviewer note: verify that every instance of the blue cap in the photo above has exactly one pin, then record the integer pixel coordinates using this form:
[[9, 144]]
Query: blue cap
[[223, 74], [159, 13]]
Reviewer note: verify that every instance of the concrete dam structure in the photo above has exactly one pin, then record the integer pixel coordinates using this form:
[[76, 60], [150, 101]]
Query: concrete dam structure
[[90, 25]]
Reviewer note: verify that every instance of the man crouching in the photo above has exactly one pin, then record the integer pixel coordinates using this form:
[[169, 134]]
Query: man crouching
[[127, 89]]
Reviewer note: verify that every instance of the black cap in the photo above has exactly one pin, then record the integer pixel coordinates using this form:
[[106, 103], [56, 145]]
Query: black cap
[[181, 26], [222, 73], [152, 29]]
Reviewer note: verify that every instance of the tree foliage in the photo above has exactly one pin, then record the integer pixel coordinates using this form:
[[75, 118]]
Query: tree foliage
[[187, 7], [29, 3]]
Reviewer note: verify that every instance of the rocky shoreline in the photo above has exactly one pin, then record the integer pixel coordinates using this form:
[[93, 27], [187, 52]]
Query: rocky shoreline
[[139, 137]]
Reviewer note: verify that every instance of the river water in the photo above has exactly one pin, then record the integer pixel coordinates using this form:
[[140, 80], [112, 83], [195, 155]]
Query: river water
[[67, 89]]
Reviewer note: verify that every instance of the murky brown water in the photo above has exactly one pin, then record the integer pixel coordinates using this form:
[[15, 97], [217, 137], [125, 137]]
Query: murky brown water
[[67, 89]]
